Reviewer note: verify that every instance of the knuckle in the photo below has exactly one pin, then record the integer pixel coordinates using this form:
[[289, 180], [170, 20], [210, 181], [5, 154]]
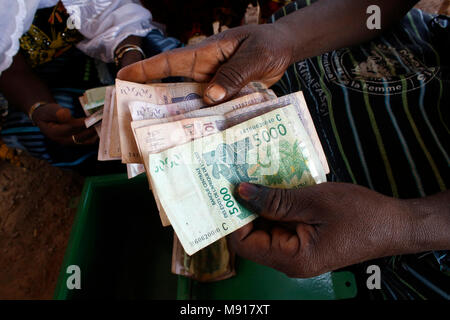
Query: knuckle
[[279, 203], [231, 75]]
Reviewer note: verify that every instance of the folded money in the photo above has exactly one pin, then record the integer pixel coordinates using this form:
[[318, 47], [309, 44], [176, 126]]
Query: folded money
[[195, 181], [159, 94], [213, 263]]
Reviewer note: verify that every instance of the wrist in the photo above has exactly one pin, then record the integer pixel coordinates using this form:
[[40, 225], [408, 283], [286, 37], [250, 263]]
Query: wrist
[[130, 50], [129, 57], [31, 111], [283, 31], [430, 222]]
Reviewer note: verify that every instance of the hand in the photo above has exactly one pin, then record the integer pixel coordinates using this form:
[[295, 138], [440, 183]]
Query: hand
[[228, 60], [306, 232], [57, 124]]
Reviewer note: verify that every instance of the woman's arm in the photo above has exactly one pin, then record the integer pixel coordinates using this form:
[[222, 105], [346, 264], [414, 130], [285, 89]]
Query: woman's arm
[[328, 25], [231, 59], [23, 88]]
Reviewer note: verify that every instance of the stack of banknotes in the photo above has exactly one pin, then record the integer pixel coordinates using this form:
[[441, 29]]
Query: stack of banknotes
[[194, 156]]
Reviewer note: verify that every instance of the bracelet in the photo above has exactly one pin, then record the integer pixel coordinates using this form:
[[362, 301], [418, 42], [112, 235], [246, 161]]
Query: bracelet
[[34, 107], [124, 49]]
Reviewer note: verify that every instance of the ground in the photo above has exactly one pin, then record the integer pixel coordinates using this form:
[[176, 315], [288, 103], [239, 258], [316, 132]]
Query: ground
[[37, 209]]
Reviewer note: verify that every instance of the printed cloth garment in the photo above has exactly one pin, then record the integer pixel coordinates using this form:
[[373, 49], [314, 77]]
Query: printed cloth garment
[[49, 36], [381, 110], [49, 46], [102, 23]]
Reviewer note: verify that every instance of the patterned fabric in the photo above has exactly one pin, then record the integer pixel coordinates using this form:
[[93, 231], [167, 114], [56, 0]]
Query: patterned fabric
[[48, 36], [382, 109], [62, 67], [382, 113], [20, 133]]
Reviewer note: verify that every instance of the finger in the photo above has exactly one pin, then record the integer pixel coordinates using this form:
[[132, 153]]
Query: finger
[[276, 248], [63, 115], [178, 62], [275, 204], [283, 240], [198, 62], [87, 136], [231, 77], [250, 243]]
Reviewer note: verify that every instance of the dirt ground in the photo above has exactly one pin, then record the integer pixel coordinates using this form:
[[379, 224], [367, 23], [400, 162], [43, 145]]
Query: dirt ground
[[37, 208]]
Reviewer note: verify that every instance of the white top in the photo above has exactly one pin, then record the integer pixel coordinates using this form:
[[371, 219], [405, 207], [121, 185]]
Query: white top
[[103, 23]]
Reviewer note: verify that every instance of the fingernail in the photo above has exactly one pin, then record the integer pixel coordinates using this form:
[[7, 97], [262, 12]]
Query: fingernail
[[216, 92], [248, 191]]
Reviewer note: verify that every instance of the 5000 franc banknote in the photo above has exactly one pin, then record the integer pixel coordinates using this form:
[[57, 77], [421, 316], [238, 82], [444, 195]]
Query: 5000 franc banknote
[[195, 181]]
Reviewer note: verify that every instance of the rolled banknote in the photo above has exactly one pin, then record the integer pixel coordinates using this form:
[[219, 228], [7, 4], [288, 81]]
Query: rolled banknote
[[195, 181], [93, 118], [213, 263], [94, 98], [103, 147]]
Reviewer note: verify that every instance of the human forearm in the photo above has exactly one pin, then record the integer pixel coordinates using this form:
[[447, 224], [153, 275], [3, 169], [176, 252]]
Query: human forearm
[[332, 24], [21, 86], [429, 222]]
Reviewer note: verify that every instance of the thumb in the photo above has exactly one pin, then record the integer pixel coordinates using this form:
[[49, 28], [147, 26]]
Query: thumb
[[230, 78], [63, 115], [270, 203]]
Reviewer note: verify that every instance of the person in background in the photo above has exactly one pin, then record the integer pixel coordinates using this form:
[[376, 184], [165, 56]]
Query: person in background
[[49, 51], [379, 100]]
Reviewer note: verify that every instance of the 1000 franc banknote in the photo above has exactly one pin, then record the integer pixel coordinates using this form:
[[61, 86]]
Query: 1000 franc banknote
[[195, 181]]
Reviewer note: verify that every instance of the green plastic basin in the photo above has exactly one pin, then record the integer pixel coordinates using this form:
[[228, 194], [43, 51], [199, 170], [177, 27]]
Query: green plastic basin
[[123, 252]]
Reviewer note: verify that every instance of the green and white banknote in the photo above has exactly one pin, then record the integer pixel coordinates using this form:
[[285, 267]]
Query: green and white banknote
[[195, 181]]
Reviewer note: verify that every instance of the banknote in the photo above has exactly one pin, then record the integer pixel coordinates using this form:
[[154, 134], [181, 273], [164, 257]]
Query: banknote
[[298, 101], [94, 118], [114, 134], [195, 181], [134, 169], [218, 110], [160, 93], [103, 149], [92, 102], [156, 138], [152, 137], [107, 134], [144, 110], [94, 98], [157, 93], [213, 263], [247, 107], [141, 110]]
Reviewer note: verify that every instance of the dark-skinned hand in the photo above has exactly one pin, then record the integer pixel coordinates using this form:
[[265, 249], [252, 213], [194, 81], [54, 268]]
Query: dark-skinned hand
[[57, 124], [226, 60], [306, 232]]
